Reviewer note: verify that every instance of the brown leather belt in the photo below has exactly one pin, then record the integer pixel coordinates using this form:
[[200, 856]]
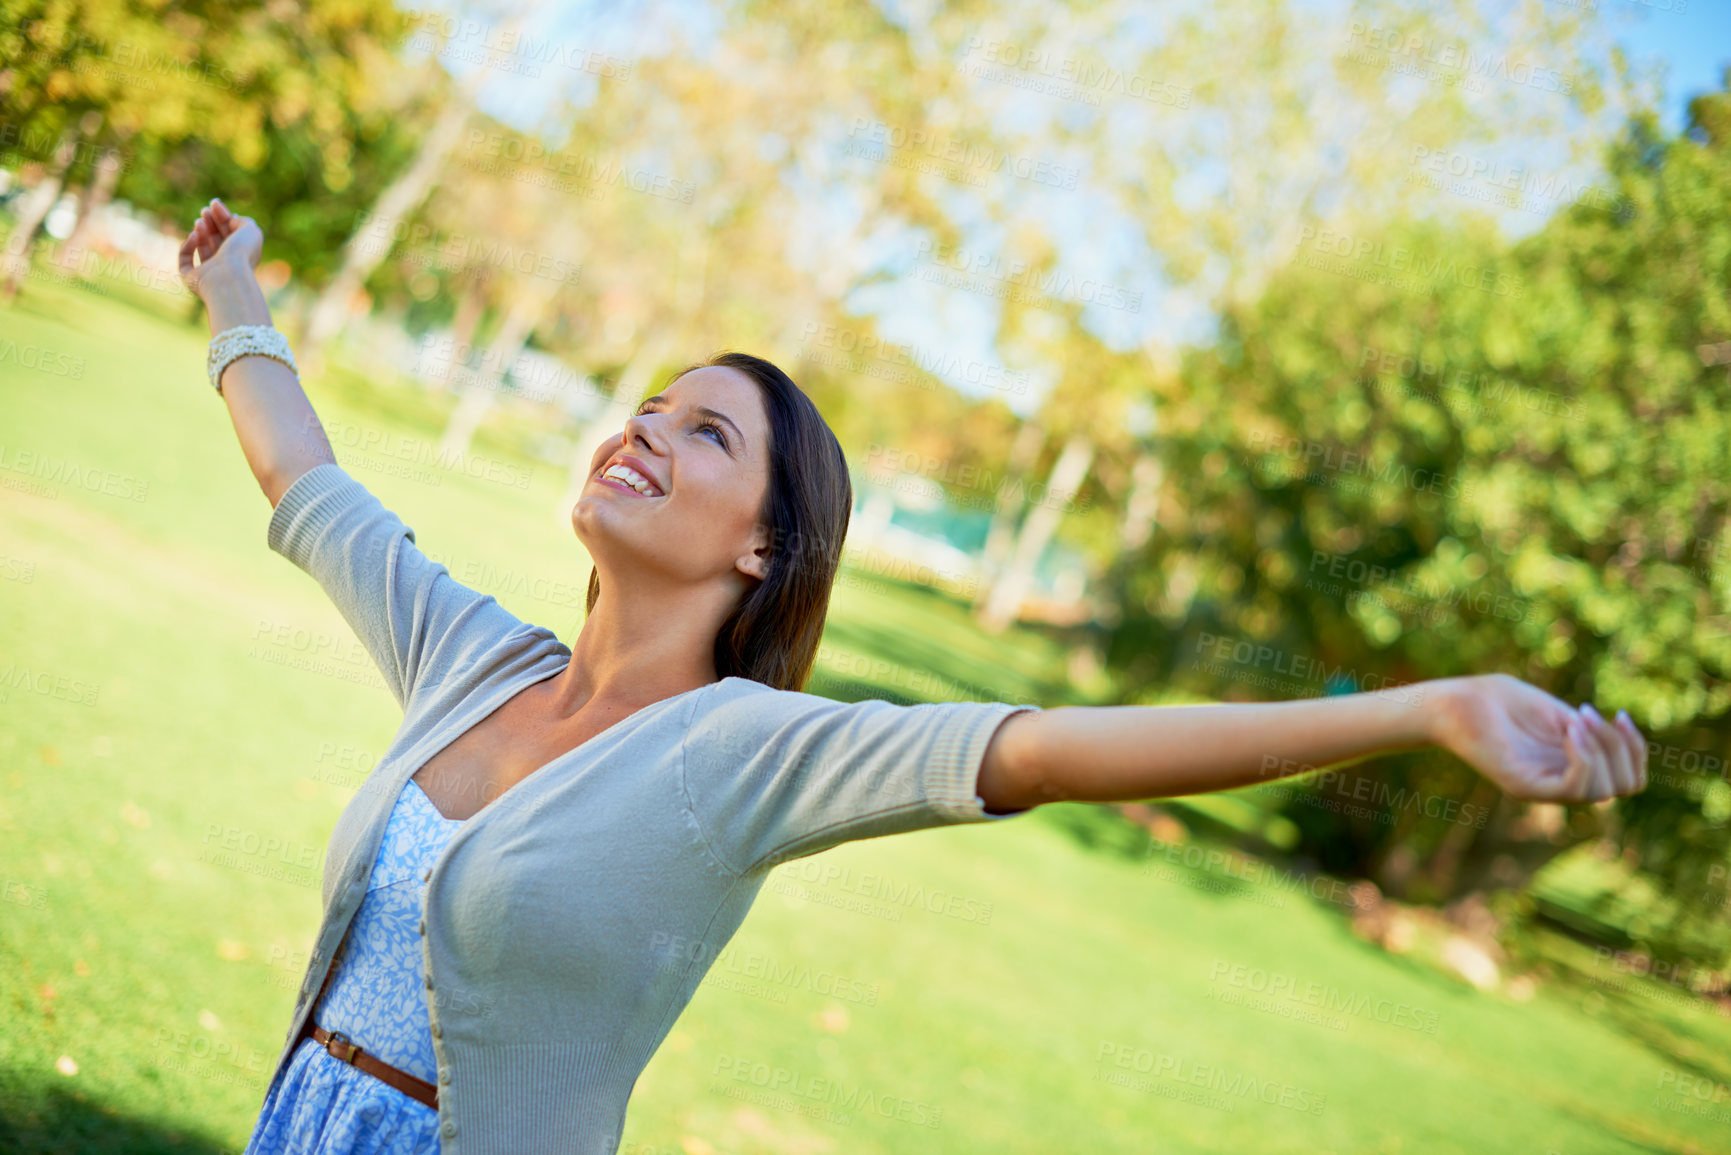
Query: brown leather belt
[[340, 1046]]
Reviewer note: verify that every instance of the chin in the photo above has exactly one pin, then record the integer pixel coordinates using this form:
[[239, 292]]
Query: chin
[[589, 521], [583, 519]]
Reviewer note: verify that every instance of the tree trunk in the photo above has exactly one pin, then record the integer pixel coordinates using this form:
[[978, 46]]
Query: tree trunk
[[33, 211], [1024, 451], [370, 243], [1143, 503], [1135, 530], [95, 199], [470, 308], [1521, 839], [1443, 869], [479, 394], [1067, 475]]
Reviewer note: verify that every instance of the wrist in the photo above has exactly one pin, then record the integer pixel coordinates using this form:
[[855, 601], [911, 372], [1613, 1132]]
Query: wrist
[[1441, 706], [233, 298]]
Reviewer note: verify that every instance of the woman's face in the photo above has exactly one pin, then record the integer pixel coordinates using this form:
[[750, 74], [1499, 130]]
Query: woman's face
[[710, 471]]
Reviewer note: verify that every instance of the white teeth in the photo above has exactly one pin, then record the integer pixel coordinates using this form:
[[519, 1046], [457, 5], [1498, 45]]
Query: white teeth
[[632, 478]]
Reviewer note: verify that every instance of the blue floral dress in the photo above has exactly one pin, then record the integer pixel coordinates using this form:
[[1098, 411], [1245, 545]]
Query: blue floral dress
[[376, 996]]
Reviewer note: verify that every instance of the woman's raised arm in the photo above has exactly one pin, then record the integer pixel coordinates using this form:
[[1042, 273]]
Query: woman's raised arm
[[279, 432], [1531, 744]]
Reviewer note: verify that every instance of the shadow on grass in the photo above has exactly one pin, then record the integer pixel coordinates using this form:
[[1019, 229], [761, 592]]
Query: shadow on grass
[[1672, 1025], [52, 1120], [48, 287], [30, 303], [1666, 1037], [931, 632], [842, 689], [1101, 828], [1446, 985]]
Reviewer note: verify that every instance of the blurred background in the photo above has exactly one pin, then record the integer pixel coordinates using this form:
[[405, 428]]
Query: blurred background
[[1226, 351]]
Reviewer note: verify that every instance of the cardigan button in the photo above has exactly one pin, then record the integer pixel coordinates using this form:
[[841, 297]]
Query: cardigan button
[[438, 1031], [449, 1128], [423, 926], [429, 982], [427, 874], [445, 1075]]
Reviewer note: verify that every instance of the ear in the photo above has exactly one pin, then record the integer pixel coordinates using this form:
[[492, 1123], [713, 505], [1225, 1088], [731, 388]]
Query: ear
[[756, 563]]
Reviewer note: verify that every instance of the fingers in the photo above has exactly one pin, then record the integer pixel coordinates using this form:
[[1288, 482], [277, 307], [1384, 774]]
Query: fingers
[[1638, 744], [1578, 775], [1604, 759], [199, 240], [1618, 763], [203, 241], [230, 223], [214, 225], [1630, 752], [186, 249], [209, 239], [1600, 782]]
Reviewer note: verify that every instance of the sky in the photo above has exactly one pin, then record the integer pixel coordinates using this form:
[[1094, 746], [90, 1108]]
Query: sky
[[1694, 44], [1691, 39], [1686, 44], [1687, 49]]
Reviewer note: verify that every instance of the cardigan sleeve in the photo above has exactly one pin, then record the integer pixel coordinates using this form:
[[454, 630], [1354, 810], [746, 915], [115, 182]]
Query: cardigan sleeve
[[773, 775], [417, 622]]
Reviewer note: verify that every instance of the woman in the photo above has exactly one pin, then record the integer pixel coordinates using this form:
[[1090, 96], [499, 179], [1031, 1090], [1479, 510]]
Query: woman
[[528, 888]]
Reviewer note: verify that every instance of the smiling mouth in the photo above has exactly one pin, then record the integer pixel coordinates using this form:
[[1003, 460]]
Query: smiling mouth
[[615, 483], [611, 479]]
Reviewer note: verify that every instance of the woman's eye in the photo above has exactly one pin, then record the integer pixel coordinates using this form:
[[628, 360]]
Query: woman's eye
[[719, 436]]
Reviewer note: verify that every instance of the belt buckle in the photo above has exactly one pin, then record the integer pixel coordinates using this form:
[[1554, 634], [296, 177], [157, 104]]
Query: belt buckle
[[336, 1039]]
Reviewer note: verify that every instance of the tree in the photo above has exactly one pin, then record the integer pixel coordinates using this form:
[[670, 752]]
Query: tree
[[265, 104], [363, 252], [1214, 169], [97, 195], [35, 210], [1461, 455]]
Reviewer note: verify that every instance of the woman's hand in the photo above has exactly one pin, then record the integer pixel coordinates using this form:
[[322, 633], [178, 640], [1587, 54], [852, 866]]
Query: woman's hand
[[227, 248], [1534, 746]]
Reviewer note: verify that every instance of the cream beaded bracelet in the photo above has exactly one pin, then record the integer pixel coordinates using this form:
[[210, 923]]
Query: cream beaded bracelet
[[245, 340]]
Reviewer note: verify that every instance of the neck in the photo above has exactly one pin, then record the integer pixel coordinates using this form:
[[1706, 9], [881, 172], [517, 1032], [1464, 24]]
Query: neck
[[642, 645]]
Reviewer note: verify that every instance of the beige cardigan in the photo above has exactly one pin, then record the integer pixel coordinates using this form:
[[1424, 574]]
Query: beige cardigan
[[570, 920]]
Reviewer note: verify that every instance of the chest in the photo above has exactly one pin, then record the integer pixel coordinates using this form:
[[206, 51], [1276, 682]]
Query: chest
[[504, 748]]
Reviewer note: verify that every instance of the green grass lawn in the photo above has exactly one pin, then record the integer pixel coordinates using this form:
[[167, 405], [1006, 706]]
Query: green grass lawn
[[168, 682]]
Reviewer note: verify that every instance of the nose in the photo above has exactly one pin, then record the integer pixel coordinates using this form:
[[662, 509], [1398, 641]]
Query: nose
[[639, 437], [639, 430]]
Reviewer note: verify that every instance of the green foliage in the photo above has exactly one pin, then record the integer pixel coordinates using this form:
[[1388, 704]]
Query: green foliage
[[1421, 452], [297, 114]]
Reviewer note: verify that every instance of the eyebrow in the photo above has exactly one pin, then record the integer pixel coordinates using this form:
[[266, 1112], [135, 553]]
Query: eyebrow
[[700, 410]]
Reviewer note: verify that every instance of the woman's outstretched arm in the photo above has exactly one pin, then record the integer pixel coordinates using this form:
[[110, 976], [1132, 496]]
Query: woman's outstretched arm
[[1531, 744], [279, 432]]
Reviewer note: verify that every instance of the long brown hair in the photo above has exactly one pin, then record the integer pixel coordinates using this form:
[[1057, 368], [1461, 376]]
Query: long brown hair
[[772, 635]]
